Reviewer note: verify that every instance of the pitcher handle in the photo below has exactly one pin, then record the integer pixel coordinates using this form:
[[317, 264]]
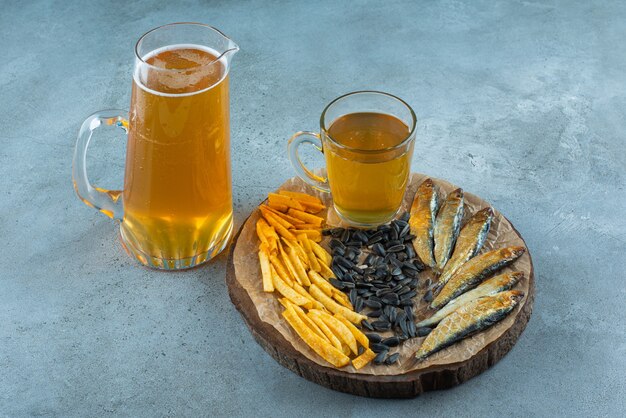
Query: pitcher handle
[[318, 182], [106, 201]]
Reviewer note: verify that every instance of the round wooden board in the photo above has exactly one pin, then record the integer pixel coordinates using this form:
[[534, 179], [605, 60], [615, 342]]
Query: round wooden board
[[405, 385]]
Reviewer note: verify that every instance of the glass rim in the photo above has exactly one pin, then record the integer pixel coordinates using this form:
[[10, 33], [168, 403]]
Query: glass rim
[[404, 142], [217, 59]]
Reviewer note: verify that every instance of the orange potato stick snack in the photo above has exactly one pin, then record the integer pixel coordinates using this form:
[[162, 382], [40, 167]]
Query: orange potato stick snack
[[325, 271], [302, 197], [338, 328], [272, 217], [358, 334], [341, 297], [302, 292], [279, 199], [290, 219], [306, 217], [266, 273], [321, 253], [364, 359], [306, 226], [334, 307], [260, 233], [312, 234], [323, 348], [278, 207], [298, 249], [305, 243], [291, 294], [287, 263], [327, 332], [312, 207], [298, 267], [280, 270], [308, 321], [320, 282]]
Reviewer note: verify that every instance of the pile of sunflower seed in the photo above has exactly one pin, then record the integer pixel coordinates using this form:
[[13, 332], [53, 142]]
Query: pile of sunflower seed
[[379, 271]]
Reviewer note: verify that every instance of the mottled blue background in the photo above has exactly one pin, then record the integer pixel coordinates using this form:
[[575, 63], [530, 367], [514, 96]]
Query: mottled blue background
[[520, 102]]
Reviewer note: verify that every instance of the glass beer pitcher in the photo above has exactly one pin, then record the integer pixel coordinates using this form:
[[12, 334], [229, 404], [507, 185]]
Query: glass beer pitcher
[[175, 211]]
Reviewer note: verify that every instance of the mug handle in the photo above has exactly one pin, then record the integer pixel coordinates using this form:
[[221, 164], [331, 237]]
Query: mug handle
[[106, 201], [318, 182]]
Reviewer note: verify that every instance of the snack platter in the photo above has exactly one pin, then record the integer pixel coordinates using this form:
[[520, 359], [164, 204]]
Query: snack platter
[[396, 374]]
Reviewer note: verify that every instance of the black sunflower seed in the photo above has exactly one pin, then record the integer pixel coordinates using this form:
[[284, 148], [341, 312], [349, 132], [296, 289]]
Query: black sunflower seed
[[406, 303], [373, 240], [395, 248], [405, 216], [391, 299], [378, 249], [404, 290], [327, 232], [358, 306], [395, 262], [410, 251], [374, 338], [353, 243], [375, 314], [428, 297], [339, 251], [349, 254], [378, 347], [422, 331], [336, 232], [337, 283], [405, 230], [335, 243], [409, 295], [405, 282], [345, 236], [360, 236], [392, 242], [348, 285], [409, 311], [393, 314], [391, 341], [337, 271], [342, 261], [381, 325], [373, 304], [392, 358], [380, 357], [412, 330], [366, 324], [400, 317], [352, 296], [382, 292], [403, 326]]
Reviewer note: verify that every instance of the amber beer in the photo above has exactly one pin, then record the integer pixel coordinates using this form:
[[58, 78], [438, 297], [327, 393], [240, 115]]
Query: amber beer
[[177, 186], [367, 185]]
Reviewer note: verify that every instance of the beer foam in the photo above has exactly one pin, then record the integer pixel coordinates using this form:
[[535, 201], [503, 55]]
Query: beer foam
[[178, 74]]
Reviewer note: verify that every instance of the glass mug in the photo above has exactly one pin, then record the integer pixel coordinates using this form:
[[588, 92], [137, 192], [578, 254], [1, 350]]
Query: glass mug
[[367, 139], [175, 210]]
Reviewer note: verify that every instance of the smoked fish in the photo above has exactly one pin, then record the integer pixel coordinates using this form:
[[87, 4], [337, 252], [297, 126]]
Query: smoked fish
[[489, 287], [469, 319], [423, 211], [447, 227], [474, 271], [470, 241]]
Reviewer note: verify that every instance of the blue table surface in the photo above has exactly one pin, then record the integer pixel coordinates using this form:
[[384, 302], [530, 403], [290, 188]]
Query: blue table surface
[[520, 102]]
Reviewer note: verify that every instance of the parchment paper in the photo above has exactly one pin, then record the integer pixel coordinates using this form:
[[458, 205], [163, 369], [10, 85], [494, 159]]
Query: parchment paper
[[501, 234]]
